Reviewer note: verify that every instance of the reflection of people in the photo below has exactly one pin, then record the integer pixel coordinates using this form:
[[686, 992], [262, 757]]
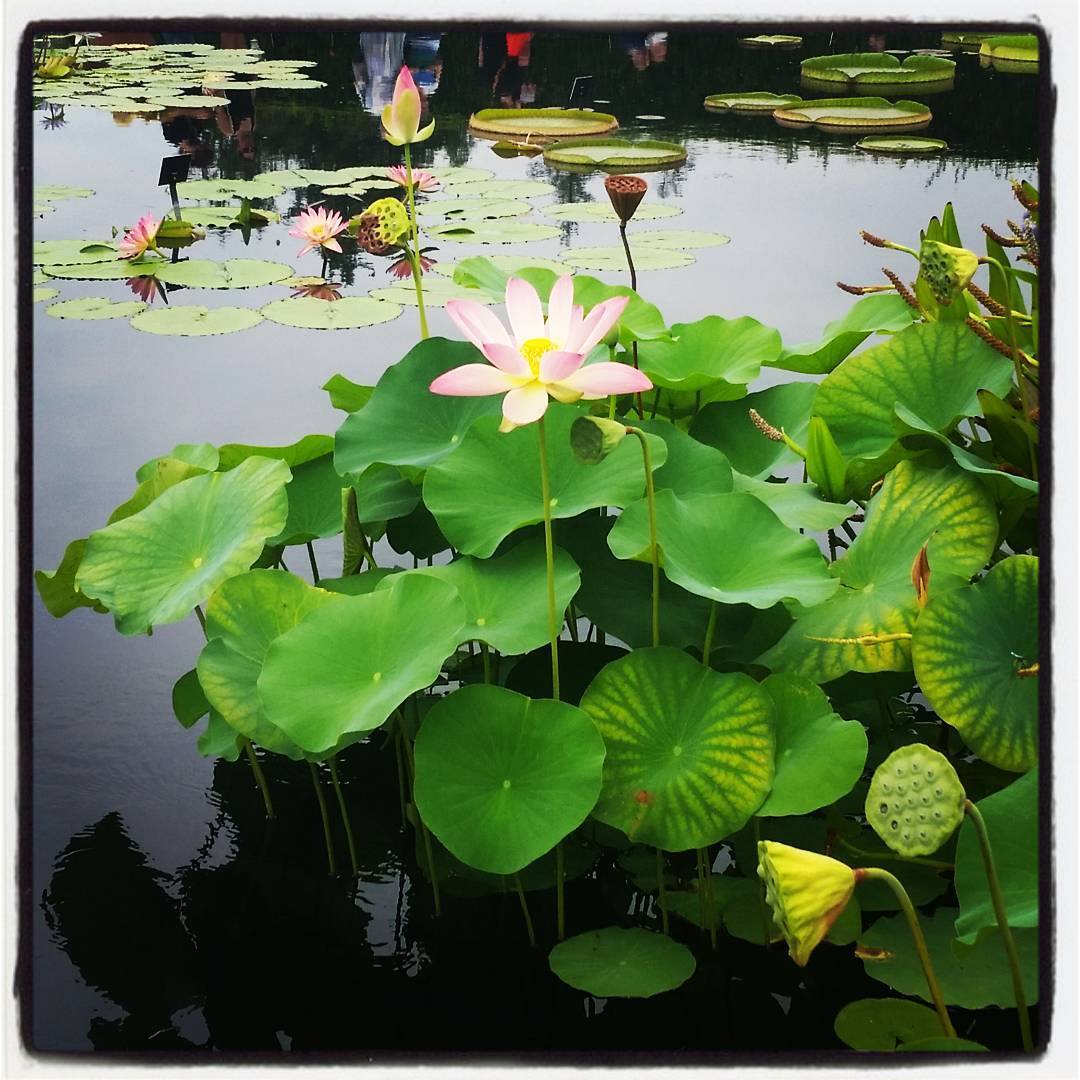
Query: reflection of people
[[643, 49], [505, 58], [179, 127], [237, 120], [375, 67]]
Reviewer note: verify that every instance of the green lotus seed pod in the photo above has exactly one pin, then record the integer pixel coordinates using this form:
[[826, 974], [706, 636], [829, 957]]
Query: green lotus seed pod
[[947, 270], [915, 801], [393, 219], [592, 438]]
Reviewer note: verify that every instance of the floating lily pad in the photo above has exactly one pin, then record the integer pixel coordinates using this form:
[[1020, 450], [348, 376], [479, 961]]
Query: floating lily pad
[[502, 778], [974, 651], [615, 962], [460, 174], [819, 755], [550, 122], [224, 216], [437, 291], [190, 101], [230, 274], [348, 665], [69, 252], [191, 321], [845, 115], [616, 155], [689, 751], [472, 209], [228, 189], [94, 307], [614, 258], [772, 41], [499, 189], [584, 212], [877, 67], [490, 485], [113, 270], [42, 292], [153, 568], [55, 192], [348, 313], [1022, 48], [945, 509], [901, 144], [754, 102], [483, 231], [883, 1023]]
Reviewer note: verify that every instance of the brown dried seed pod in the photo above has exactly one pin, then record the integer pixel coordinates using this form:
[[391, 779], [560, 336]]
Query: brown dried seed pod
[[625, 193]]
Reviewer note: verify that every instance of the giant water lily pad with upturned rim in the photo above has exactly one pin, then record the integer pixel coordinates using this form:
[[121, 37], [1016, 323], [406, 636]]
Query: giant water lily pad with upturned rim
[[901, 144], [876, 68], [772, 41], [616, 155], [557, 123], [847, 115], [750, 102]]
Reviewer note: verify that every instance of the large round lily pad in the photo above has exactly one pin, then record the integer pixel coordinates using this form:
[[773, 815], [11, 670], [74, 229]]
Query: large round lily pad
[[437, 291], [584, 212], [901, 144], [69, 252], [613, 257], [976, 654], [94, 307], [153, 568], [845, 115], [622, 963], [882, 1023], [500, 231], [1021, 48], [499, 189], [228, 189], [750, 102], [553, 123], [193, 321], [348, 313], [472, 209], [877, 68], [502, 778], [231, 274], [689, 751], [616, 155], [347, 666]]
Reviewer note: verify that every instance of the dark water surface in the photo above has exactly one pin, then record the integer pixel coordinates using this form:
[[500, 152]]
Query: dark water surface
[[167, 913]]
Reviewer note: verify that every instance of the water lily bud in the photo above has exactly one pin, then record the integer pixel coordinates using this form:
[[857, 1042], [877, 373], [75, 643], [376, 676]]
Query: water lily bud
[[592, 438], [625, 193], [946, 269], [806, 892]]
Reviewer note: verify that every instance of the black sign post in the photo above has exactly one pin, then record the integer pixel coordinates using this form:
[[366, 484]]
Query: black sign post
[[174, 170]]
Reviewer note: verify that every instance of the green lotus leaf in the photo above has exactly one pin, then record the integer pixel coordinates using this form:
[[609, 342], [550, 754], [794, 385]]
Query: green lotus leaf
[[499, 189], [585, 212], [883, 1023], [360, 188], [506, 597], [231, 274], [190, 101], [876, 67], [976, 653], [404, 423], [975, 978], [383, 493], [750, 102], [437, 291], [877, 313], [39, 277], [689, 904], [188, 700], [358, 584], [306, 449], [865, 114], [676, 240], [616, 155], [245, 614], [193, 321], [162, 474], [546, 122], [154, 567], [730, 548], [484, 231], [349, 665], [819, 755], [901, 144], [614, 258], [690, 467], [798, 506], [709, 352], [53, 192], [614, 962], [490, 485], [58, 590], [689, 751], [416, 534], [348, 313], [1012, 822], [934, 369], [941, 1042], [477, 209], [727, 426], [314, 494], [219, 740], [922, 883], [228, 189], [507, 264], [461, 174], [94, 307], [347, 395], [502, 778], [202, 455], [948, 511]]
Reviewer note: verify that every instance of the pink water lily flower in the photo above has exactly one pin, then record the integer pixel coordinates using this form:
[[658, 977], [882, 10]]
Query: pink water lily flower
[[319, 226], [136, 240], [539, 358], [401, 118], [421, 178]]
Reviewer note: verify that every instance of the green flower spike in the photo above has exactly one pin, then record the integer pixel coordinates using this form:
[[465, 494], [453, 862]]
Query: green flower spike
[[947, 270], [806, 891]]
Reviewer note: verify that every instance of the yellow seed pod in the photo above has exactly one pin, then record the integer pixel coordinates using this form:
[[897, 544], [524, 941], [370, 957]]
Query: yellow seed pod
[[947, 270]]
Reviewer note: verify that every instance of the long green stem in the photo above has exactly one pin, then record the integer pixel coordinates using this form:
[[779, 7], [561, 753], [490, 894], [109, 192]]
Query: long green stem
[[911, 860], [486, 657], [654, 544], [400, 776], [260, 776], [710, 631], [549, 549], [327, 838], [428, 853], [525, 910], [344, 810], [977, 821], [415, 252], [662, 890], [874, 873], [314, 564]]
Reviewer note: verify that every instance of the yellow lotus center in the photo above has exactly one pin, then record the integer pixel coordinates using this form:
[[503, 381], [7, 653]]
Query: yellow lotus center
[[534, 349]]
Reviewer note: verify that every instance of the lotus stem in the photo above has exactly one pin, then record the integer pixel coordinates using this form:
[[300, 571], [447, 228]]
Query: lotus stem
[[202, 619], [314, 564], [428, 853], [662, 890], [874, 873], [400, 776], [260, 776], [327, 838], [654, 545], [629, 257], [706, 880], [911, 860], [485, 656], [525, 910], [979, 824], [710, 631], [344, 810], [553, 621], [702, 906], [414, 251]]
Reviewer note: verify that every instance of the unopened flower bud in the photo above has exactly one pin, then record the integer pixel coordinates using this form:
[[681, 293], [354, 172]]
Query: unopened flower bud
[[592, 438]]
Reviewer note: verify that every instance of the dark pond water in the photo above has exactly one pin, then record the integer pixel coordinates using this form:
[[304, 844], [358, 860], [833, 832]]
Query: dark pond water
[[167, 914]]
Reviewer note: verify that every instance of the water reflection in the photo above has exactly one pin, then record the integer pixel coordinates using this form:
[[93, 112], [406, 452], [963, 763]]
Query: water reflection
[[380, 55]]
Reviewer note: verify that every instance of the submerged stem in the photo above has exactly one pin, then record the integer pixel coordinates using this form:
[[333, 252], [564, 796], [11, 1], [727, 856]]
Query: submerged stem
[[662, 890], [977, 821], [428, 854], [260, 776], [327, 838], [654, 546], [525, 910], [344, 810]]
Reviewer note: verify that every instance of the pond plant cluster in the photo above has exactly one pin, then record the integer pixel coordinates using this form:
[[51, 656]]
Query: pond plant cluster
[[650, 616]]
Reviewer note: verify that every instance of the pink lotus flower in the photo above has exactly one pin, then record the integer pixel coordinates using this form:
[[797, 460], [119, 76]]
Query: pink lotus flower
[[145, 287], [318, 227], [401, 118], [540, 358], [136, 240], [421, 178]]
